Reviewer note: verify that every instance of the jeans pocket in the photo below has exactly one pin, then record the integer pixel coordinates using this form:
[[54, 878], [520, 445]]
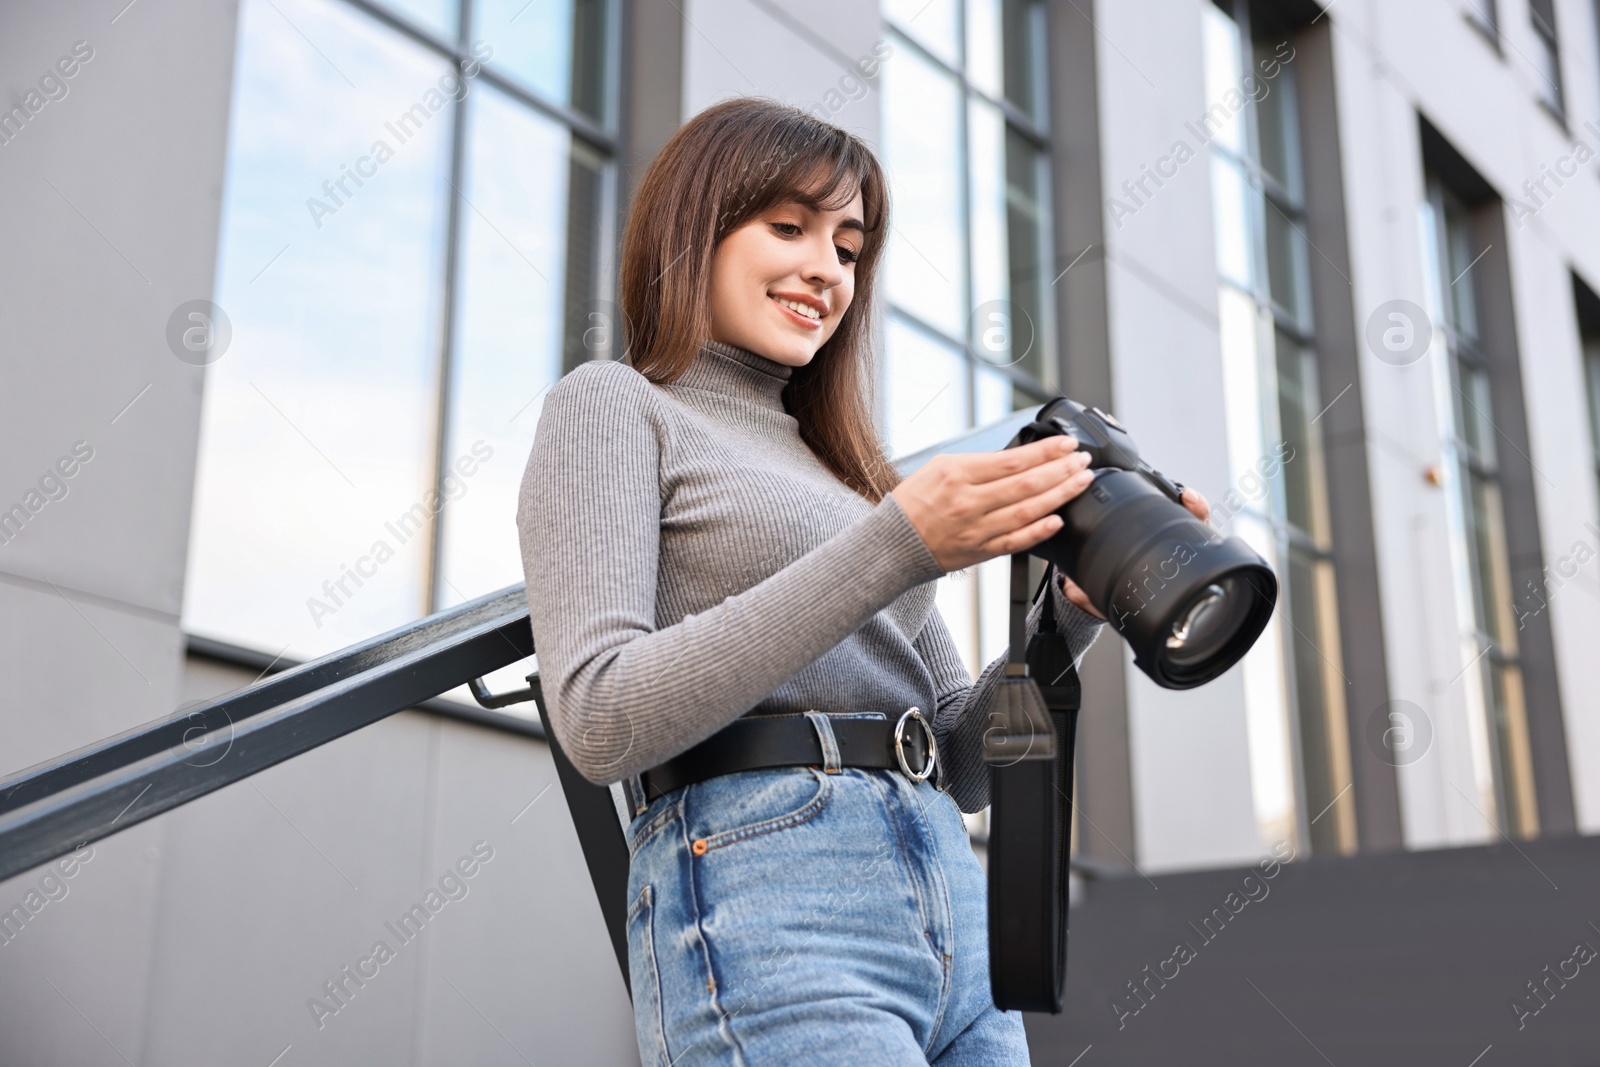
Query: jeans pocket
[[644, 977], [731, 808]]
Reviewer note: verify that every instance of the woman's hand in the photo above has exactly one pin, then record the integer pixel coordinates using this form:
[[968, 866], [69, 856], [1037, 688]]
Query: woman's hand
[[973, 506], [1192, 500]]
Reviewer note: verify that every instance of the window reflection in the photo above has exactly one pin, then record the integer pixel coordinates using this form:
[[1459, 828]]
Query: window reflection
[[316, 438], [1294, 684], [926, 267], [556, 48], [440, 17], [515, 232], [929, 400], [1479, 555], [322, 515], [934, 24]]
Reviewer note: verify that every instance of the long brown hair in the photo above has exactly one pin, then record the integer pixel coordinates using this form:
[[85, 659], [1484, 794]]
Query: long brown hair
[[726, 165]]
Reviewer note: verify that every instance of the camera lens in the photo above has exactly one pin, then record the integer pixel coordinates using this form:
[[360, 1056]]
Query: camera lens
[[1208, 622]]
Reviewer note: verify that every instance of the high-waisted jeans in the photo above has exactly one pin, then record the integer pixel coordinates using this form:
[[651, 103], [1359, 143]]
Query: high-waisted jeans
[[796, 916]]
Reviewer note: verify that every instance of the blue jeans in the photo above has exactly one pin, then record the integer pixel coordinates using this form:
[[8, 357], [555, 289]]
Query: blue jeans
[[797, 916]]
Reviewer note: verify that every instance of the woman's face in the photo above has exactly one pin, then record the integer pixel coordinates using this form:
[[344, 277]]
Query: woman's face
[[791, 253]]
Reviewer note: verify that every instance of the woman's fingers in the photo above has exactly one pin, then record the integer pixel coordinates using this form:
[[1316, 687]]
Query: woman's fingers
[[1036, 515], [984, 467], [1078, 598], [1029, 483], [1197, 504]]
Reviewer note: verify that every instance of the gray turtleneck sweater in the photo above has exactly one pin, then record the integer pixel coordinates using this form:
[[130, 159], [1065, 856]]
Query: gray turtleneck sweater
[[689, 560]]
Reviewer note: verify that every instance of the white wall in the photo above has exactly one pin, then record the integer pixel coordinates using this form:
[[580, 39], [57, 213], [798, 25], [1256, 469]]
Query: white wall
[[111, 197]]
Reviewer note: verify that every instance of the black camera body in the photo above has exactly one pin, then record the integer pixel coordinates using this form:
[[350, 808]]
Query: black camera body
[[1188, 601]]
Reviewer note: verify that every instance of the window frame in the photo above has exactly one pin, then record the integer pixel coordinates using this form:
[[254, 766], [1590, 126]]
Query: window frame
[[1271, 319], [1499, 722], [1035, 133]]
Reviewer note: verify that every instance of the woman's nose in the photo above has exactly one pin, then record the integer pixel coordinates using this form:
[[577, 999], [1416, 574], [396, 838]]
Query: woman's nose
[[823, 266]]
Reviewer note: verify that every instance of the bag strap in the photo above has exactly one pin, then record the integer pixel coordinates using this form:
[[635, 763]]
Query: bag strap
[[1030, 823]]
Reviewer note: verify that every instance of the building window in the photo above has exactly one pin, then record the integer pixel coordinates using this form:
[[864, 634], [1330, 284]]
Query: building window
[[1294, 682], [412, 233], [1484, 15], [1491, 667], [970, 332], [1547, 55]]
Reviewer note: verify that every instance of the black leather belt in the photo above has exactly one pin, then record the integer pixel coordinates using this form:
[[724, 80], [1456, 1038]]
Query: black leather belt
[[758, 741]]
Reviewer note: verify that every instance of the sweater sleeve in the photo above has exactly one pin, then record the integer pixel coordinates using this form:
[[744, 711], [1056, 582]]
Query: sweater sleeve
[[958, 721], [622, 694]]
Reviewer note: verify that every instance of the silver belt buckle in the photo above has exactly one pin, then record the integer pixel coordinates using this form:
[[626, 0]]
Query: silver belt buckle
[[899, 745]]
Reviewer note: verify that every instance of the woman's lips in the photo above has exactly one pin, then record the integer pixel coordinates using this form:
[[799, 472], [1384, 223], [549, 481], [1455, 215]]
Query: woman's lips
[[795, 316]]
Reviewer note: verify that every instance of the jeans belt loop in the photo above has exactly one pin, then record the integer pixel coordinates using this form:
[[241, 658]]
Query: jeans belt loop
[[830, 746], [634, 787]]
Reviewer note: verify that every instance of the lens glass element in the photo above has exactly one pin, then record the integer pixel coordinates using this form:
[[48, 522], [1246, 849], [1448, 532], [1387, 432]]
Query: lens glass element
[[1211, 619]]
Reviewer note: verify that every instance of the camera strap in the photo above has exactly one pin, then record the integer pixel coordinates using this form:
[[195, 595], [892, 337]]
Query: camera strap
[[1029, 749]]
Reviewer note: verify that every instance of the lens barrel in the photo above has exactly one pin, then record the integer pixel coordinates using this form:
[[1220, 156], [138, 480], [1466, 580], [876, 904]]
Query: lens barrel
[[1189, 601]]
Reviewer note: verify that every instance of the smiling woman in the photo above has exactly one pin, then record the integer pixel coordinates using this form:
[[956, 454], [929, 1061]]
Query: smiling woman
[[730, 591], [762, 202]]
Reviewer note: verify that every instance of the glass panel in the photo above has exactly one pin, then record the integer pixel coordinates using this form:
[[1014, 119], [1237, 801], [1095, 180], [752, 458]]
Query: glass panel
[[1241, 385], [1472, 412], [1311, 664], [986, 46], [1002, 54], [1516, 760], [926, 270], [554, 47], [1222, 63], [994, 396], [317, 433], [1272, 778], [515, 230], [1495, 572], [1297, 406], [1286, 261], [442, 17], [927, 389], [1010, 313], [1030, 283], [991, 274], [1234, 209], [994, 608], [1483, 13], [1276, 125], [935, 24], [1459, 283]]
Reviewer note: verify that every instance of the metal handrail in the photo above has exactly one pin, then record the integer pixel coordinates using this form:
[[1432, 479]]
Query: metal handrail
[[53, 807]]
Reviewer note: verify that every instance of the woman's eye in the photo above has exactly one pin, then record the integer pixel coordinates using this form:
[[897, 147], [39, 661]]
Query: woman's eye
[[845, 255], [781, 226]]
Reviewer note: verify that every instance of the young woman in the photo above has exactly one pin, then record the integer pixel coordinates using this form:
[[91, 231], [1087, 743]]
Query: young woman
[[731, 596]]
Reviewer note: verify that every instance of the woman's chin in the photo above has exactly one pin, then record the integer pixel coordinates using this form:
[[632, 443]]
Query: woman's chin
[[794, 352]]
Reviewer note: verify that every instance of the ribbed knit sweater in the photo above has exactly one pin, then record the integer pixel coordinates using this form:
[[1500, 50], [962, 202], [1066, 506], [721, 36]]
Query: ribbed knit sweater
[[690, 560]]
